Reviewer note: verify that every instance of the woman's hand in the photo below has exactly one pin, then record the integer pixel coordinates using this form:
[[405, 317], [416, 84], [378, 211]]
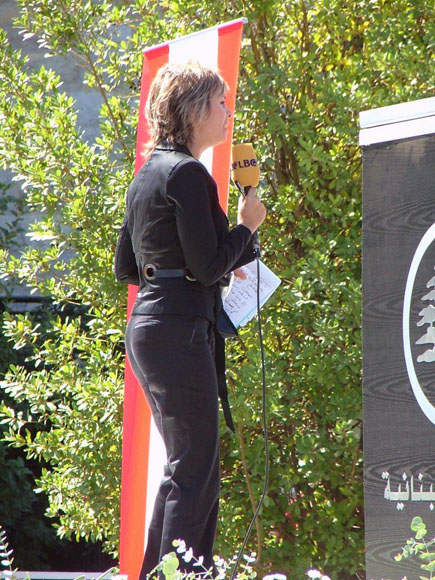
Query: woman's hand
[[239, 273], [251, 211]]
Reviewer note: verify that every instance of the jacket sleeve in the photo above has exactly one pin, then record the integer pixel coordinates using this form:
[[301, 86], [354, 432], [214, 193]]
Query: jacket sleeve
[[125, 266], [209, 254], [247, 256]]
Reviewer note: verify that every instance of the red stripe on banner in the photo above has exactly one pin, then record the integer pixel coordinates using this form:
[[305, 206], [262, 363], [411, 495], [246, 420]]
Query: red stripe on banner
[[154, 58], [137, 416], [228, 66]]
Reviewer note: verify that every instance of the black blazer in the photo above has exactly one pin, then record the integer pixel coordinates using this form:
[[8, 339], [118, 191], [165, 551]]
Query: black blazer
[[174, 220]]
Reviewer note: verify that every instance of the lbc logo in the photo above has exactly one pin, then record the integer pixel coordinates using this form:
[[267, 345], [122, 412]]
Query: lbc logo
[[244, 163]]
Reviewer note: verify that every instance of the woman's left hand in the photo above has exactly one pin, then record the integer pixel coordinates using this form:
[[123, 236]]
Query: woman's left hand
[[239, 273]]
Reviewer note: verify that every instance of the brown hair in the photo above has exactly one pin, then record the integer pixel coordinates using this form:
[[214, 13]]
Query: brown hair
[[179, 97]]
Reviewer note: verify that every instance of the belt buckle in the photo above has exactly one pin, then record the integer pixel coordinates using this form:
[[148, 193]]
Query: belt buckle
[[150, 272], [189, 276]]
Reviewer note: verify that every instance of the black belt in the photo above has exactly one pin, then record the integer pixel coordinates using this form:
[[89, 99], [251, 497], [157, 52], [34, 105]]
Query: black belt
[[151, 272]]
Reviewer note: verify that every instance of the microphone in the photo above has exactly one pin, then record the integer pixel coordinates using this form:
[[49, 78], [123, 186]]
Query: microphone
[[246, 174]]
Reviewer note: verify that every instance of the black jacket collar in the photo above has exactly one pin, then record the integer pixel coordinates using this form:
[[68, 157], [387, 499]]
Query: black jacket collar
[[167, 146]]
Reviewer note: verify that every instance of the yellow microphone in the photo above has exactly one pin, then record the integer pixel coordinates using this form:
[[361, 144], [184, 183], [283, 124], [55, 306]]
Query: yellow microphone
[[246, 174], [245, 170]]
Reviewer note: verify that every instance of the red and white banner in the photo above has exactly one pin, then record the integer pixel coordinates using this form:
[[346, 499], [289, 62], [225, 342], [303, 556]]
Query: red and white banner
[[143, 454]]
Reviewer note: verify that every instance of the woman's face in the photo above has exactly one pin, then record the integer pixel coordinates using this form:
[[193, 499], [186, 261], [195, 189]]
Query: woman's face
[[214, 127]]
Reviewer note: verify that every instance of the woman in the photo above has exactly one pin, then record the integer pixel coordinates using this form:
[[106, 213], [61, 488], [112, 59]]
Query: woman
[[183, 252]]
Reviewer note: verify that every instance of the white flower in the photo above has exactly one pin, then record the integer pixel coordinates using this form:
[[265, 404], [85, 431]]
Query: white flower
[[188, 555], [314, 574], [181, 546], [317, 574], [219, 561], [275, 577]]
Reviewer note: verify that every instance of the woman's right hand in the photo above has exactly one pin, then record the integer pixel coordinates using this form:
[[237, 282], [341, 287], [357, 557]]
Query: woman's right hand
[[251, 211]]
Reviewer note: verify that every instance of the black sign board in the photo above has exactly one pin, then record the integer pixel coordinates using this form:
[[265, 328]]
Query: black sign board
[[399, 354]]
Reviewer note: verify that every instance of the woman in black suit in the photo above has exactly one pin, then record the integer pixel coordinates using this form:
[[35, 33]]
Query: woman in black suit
[[183, 252]]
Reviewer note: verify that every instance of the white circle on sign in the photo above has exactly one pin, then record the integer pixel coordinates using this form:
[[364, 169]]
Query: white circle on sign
[[423, 402]]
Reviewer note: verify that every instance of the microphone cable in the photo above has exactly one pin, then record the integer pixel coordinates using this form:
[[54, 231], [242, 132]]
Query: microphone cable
[[264, 418]]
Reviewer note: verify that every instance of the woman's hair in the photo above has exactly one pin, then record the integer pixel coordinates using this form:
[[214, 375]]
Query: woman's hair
[[179, 97]]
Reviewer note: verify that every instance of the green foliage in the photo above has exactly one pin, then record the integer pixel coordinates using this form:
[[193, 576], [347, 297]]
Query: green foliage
[[67, 413], [10, 228], [19, 513], [169, 567], [421, 548], [73, 394], [307, 69], [7, 560]]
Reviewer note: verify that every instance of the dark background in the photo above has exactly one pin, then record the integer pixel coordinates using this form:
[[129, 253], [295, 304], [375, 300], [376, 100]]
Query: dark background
[[398, 208]]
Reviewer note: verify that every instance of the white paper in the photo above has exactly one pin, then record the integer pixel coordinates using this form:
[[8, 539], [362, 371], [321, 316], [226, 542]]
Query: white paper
[[240, 303]]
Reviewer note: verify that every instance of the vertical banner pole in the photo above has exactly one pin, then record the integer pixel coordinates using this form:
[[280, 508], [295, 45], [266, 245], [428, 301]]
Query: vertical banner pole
[[142, 455]]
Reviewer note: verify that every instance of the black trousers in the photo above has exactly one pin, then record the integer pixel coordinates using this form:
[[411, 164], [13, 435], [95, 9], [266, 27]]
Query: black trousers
[[173, 359]]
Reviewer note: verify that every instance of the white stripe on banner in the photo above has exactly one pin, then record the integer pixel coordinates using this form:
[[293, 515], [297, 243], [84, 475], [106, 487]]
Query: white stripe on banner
[[202, 47], [156, 463]]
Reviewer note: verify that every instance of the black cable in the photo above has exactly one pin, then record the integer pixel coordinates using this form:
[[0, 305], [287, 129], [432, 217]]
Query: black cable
[[265, 432]]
